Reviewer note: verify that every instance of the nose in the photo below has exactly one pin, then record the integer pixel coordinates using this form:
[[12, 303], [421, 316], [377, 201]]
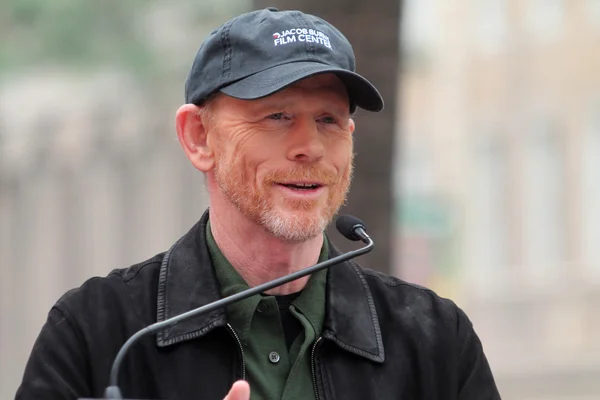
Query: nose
[[305, 141]]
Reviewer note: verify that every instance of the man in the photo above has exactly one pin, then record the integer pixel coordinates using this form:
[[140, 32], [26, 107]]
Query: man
[[268, 121]]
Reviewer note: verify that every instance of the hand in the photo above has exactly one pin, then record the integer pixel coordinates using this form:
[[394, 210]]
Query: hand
[[240, 390]]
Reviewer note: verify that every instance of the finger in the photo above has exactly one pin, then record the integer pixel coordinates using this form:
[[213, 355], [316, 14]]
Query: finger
[[239, 391]]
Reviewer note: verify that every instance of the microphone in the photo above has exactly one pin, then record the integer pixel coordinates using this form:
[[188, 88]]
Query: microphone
[[350, 227]]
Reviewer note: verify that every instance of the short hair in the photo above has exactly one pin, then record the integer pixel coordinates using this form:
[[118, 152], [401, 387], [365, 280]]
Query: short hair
[[207, 112]]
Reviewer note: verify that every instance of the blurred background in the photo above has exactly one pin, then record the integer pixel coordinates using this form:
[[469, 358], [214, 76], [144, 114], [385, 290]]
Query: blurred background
[[477, 180]]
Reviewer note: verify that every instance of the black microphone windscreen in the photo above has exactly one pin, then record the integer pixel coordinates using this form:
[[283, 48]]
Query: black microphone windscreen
[[346, 224]]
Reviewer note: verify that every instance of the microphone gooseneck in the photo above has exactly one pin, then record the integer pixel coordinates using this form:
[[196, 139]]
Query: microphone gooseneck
[[350, 227]]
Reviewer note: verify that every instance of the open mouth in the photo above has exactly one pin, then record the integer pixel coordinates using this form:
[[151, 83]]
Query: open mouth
[[301, 186]]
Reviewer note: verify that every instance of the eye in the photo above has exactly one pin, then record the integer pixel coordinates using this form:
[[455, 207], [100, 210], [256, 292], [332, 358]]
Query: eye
[[328, 119], [277, 116]]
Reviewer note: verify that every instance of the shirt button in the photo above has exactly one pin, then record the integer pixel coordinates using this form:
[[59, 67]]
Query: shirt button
[[274, 357]]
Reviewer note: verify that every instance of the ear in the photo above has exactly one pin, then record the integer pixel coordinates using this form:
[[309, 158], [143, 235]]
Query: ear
[[192, 133], [351, 125]]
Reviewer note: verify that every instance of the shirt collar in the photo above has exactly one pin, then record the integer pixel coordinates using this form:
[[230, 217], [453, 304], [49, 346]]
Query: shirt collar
[[311, 302], [231, 282]]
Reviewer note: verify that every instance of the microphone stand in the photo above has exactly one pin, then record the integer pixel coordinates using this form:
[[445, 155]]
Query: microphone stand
[[113, 392]]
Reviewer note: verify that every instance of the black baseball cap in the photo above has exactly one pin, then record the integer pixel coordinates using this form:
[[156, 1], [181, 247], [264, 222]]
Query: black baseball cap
[[261, 52]]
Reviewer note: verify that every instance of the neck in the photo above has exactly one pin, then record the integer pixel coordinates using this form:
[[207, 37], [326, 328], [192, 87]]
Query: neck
[[256, 254]]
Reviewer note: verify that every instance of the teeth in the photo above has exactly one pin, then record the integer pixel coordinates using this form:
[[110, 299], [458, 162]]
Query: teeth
[[303, 185]]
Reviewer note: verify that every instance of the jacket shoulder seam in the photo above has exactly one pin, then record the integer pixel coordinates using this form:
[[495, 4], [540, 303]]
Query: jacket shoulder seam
[[138, 268], [69, 319], [394, 282]]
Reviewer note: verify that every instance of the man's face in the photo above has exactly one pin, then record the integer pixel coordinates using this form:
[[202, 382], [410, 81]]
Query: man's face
[[285, 161]]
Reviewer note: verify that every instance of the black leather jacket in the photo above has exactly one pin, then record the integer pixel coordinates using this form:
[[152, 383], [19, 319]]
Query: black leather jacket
[[382, 338]]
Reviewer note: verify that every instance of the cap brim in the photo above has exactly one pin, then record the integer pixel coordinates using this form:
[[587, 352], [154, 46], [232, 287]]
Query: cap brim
[[362, 92]]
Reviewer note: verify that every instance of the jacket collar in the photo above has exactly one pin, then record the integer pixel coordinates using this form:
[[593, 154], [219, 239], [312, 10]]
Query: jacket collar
[[350, 317], [187, 281]]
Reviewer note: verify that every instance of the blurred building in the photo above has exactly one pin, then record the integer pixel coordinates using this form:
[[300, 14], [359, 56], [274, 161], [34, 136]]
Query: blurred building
[[497, 181]]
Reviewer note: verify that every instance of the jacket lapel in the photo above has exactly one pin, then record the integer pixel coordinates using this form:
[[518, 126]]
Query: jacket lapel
[[187, 281], [351, 319]]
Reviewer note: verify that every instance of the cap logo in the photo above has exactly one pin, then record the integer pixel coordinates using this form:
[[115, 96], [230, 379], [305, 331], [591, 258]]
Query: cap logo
[[301, 35]]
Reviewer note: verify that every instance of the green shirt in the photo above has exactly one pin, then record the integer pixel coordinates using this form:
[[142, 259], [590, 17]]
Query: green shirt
[[257, 323]]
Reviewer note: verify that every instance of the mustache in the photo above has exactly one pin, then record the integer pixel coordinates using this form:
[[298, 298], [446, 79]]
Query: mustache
[[308, 173]]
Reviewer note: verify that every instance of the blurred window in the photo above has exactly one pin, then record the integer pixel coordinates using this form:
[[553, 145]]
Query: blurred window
[[544, 195], [414, 175], [489, 24], [487, 214], [420, 24], [592, 10], [544, 19], [591, 191], [426, 251]]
